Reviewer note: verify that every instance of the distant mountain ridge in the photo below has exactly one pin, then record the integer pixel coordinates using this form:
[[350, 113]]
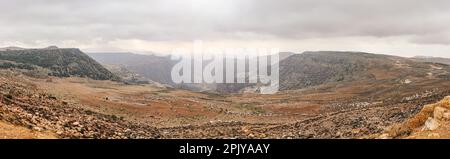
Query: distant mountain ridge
[[11, 48], [152, 67], [432, 59], [61, 62], [315, 68], [297, 71]]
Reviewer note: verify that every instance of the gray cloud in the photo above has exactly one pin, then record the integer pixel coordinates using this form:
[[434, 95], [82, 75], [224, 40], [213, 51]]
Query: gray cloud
[[427, 22]]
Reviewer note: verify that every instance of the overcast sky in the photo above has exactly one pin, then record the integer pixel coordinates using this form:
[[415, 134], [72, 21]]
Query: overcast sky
[[399, 27]]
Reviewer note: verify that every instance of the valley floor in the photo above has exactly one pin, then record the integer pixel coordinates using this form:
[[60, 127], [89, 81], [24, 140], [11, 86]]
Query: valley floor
[[83, 108]]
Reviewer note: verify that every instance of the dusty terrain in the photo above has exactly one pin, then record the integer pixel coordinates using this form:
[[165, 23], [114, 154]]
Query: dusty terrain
[[24, 104], [323, 95], [84, 108], [9, 131]]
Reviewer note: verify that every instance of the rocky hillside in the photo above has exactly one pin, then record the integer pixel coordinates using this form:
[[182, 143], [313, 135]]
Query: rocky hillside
[[58, 62], [23, 104], [433, 121], [316, 68]]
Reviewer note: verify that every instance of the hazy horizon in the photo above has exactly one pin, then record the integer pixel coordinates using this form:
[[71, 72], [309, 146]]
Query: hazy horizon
[[167, 54], [403, 28]]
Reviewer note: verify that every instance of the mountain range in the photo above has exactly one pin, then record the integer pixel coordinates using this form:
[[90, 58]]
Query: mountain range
[[323, 94], [297, 71]]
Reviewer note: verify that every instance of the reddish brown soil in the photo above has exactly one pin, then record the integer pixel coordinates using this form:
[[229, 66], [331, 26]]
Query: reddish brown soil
[[334, 110], [9, 131]]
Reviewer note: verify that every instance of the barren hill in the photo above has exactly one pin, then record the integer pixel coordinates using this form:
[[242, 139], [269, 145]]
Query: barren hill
[[316, 68], [59, 62]]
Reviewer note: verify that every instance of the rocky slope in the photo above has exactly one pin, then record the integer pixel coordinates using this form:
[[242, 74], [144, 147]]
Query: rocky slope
[[316, 68], [23, 104], [57, 62], [433, 121]]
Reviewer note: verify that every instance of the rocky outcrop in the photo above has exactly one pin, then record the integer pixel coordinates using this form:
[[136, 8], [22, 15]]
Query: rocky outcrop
[[433, 121]]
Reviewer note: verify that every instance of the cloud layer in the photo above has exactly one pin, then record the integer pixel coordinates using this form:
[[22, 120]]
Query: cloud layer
[[104, 24]]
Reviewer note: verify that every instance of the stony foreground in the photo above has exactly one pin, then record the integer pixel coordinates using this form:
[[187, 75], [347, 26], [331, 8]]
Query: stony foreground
[[22, 104], [34, 113], [432, 122]]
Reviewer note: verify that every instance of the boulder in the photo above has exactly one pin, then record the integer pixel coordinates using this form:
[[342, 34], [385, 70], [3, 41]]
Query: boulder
[[431, 124], [446, 116], [385, 136], [37, 128], [439, 112]]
